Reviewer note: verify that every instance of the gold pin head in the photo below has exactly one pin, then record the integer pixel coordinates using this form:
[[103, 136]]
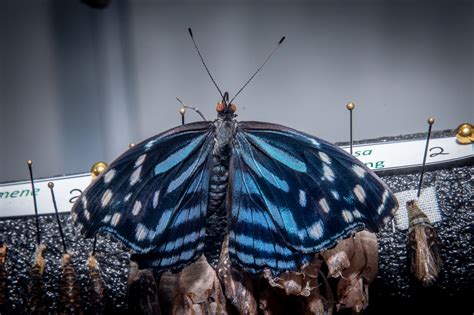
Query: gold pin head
[[98, 168], [131, 145], [182, 111], [50, 184], [350, 106], [464, 133], [431, 120], [29, 162]]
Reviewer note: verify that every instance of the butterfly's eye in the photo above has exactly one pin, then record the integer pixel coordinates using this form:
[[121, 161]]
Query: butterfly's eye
[[232, 108], [220, 108]]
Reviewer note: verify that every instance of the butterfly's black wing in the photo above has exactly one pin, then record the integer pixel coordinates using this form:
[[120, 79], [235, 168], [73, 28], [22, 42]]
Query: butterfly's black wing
[[154, 197], [293, 195]]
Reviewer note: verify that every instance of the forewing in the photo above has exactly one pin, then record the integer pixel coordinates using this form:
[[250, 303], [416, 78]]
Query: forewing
[[154, 197], [294, 195]]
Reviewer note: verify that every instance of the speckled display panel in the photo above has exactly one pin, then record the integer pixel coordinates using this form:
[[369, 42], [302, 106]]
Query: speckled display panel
[[394, 290]]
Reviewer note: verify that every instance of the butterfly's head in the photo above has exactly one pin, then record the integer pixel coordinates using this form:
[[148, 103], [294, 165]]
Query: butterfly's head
[[226, 110]]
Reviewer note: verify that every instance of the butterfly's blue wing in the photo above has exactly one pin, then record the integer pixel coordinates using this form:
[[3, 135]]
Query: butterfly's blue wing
[[293, 195], [154, 197]]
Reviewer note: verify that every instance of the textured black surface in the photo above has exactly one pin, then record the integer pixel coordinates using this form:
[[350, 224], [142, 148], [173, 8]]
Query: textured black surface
[[394, 290]]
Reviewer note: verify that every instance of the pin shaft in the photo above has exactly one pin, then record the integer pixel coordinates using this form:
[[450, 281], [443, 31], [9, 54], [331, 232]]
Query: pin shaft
[[350, 131], [94, 245], [424, 160], [38, 235], [57, 216]]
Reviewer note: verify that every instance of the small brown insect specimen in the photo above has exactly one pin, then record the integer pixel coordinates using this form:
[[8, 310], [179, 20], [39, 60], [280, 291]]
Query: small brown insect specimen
[[142, 291], [35, 283], [423, 246], [69, 291], [3, 276], [96, 287]]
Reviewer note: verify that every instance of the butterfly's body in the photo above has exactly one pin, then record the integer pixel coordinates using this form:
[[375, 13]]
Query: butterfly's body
[[216, 221]]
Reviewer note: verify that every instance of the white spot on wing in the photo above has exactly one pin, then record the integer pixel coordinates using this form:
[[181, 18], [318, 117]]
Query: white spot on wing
[[358, 170], [324, 205], [325, 158], [84, 201], [141, 232], [328, 173], [356, 214], [384, 199], [380, 209], [155, 199], [87, 215], [106, 197], [360, 193], [106, 219], [140, 160], [302, 198], [135, 177], [136, 207], [316, 230], [335, 194], [109, 176], [150, 144], [115, 219], [316, 143], [347, 216], [127, 197]]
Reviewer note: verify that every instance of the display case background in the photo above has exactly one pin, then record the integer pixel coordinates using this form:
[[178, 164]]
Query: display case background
[[78, 84]]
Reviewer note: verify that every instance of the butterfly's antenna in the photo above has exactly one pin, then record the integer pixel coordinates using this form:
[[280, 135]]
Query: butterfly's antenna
[[260, 68], [193, 108], [200, 56]]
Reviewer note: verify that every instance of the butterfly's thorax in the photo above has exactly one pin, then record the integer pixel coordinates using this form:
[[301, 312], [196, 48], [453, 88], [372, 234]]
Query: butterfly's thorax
[[216, 226]]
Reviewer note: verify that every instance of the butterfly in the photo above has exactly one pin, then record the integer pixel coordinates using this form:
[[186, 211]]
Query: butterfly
[[285, 194], [280, 195]]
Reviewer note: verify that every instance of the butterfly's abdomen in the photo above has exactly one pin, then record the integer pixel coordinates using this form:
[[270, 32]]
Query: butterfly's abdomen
[[216, 223]]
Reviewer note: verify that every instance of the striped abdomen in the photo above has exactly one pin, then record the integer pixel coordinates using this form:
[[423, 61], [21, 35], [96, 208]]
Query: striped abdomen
[[36, 292], [96, 287], [216, 223], [69, 292]]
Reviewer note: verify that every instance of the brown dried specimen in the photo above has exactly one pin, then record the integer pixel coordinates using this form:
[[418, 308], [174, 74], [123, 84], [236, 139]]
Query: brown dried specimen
[[305, 285], [238, 287], [3, 276], [195, 290], [338, 258], [36, 290], [69, 291], [423, 246], [142, 291], [353, 285], [96, 287]]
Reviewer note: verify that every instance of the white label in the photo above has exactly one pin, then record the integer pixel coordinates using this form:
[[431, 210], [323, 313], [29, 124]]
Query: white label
[[16, 199], [405, 154]]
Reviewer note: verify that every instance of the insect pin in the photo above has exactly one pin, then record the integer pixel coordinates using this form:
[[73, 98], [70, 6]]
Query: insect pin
[[35, 285], [423, 240], [69, 291]]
